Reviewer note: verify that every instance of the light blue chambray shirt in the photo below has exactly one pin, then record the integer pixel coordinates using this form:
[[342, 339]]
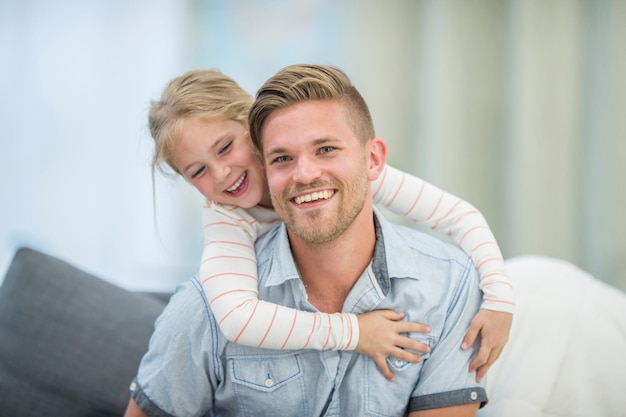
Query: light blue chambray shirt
[[192, 370]]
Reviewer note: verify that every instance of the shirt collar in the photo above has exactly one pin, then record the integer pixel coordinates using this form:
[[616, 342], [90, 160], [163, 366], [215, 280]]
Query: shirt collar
[[282, 267], [389, 261]]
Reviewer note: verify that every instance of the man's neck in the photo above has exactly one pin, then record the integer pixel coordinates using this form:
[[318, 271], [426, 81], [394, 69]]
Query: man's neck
[[329, 271]]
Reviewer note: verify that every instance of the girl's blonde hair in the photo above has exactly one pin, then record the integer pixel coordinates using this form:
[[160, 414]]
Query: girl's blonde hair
[[204, 93]]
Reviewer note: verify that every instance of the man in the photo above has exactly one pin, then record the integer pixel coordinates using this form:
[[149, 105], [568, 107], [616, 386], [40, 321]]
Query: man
[[333, 253]]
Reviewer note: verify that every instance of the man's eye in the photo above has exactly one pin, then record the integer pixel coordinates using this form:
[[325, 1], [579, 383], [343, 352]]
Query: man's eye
[[281, 159], [226, 147], [197, 173], [327, 149]]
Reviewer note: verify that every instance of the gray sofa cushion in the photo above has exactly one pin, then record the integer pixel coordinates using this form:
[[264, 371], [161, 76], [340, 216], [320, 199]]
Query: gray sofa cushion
[[70, 343]]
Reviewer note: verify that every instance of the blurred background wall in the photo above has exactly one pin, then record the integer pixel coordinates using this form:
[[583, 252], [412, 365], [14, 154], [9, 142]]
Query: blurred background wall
[[515, 105]]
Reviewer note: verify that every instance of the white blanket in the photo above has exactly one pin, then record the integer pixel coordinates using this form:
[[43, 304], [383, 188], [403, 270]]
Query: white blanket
[[566, 356]]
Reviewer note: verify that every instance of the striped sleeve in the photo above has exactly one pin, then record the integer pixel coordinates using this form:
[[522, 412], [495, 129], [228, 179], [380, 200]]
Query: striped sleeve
[[426, 204]]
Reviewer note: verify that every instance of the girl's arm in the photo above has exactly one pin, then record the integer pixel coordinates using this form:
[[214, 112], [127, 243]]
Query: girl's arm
[[424, 203], [228, 273], [421, 202]]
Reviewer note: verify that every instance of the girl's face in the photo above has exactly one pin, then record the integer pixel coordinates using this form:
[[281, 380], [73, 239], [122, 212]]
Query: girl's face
[[216, 157]]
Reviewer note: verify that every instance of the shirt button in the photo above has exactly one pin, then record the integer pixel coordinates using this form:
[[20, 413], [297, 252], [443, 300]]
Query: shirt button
[[399, 362], [269, 382], [474, 395]]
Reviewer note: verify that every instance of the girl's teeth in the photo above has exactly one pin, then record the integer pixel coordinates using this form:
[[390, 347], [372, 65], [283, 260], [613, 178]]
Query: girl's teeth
[[238, 183]]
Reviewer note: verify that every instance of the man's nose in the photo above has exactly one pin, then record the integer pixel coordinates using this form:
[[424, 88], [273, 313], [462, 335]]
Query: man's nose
[[306, 171]]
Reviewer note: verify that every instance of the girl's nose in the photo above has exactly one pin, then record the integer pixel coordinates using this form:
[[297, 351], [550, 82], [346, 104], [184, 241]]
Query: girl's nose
[[221, 173]]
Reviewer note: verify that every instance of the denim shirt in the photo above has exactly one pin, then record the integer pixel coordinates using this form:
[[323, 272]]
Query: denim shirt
[[190, 368]]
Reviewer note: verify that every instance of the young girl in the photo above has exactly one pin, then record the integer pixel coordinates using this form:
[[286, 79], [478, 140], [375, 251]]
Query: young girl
[[200, 131]]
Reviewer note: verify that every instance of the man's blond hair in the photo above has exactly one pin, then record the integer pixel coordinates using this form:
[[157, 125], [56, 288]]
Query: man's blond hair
[[304, 82]]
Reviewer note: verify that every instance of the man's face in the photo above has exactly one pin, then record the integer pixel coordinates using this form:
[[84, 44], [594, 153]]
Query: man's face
[[316, 169]]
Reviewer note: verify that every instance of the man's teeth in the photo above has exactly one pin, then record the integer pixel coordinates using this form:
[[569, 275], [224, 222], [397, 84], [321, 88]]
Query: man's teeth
[[325, 195], [237, 184]]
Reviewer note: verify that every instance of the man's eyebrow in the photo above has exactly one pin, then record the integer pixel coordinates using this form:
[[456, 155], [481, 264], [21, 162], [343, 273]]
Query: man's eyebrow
[[316, 142], [323, 141], [275, 151]]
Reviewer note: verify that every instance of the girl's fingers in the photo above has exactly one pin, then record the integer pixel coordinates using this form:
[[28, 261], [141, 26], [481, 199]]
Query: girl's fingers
[[411, 344], [411, 327], [381, 363]]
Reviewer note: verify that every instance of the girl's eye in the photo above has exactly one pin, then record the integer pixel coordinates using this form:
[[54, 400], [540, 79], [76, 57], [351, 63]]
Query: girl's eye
[[197, 173], [226, 147]]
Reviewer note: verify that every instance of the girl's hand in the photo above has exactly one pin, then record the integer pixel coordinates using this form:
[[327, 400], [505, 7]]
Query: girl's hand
[[494, 327], [381, 336]]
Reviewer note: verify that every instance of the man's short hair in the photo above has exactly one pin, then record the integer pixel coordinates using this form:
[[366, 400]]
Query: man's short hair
[[304, 82]]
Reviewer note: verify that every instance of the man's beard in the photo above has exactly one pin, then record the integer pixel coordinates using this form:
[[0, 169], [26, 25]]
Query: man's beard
[[318, 226]]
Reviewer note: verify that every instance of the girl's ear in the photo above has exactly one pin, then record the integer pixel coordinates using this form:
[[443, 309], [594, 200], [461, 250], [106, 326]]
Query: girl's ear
[[377, 157]]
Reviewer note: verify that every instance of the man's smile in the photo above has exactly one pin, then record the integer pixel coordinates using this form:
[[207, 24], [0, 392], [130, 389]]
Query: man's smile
[[318, 195]]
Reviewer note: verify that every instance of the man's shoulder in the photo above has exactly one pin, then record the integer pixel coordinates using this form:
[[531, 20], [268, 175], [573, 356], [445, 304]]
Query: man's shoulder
[[187, 289], [187, 301], [400, 239], [411, 252]]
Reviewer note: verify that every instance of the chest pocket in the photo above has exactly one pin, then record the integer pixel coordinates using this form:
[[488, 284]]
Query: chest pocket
[[384, 398], [268, 384]]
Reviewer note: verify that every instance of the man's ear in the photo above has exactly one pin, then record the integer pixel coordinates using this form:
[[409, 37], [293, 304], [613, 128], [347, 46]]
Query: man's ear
[[377, 157]]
